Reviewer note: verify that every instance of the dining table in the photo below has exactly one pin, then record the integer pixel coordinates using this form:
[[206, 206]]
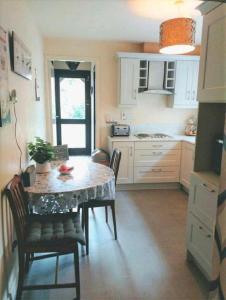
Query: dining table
[[54, 192]]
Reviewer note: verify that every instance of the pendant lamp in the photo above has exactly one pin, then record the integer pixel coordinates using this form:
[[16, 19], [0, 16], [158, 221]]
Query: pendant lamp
[[177, 36]]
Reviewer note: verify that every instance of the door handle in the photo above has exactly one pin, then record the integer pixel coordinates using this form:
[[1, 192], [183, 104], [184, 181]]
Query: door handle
[[57, 117]]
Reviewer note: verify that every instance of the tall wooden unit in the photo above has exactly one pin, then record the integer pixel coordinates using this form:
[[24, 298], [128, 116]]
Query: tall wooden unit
[[205, 183]]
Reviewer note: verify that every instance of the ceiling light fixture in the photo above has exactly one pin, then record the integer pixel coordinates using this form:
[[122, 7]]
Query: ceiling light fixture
[[177, 36]]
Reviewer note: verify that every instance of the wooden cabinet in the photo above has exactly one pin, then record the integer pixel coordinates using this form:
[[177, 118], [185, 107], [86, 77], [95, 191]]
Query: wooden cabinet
[[203, 200], [202, 209], [186, 82], [200, 244], [187, 163], [156, 162], [128, 81], [125, 174], [212, 79]]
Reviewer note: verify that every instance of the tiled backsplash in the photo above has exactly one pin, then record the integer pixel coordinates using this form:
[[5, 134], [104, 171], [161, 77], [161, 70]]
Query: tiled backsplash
[[158, 128]]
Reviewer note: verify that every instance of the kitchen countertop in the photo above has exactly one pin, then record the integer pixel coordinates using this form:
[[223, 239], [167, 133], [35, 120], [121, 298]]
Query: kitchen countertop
[[132, 138]]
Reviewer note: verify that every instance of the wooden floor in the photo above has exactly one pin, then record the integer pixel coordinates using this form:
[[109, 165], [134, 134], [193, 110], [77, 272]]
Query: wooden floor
[[148, 262]]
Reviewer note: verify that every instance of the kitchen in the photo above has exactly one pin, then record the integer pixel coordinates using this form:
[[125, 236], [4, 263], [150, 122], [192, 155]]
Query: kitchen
[[160, 80]]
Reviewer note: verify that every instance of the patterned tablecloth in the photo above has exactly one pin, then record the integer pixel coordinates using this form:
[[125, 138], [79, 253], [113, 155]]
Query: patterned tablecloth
[[53, 192]]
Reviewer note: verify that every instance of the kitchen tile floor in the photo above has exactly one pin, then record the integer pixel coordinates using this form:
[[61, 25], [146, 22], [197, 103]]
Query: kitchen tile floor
[[148, 262]]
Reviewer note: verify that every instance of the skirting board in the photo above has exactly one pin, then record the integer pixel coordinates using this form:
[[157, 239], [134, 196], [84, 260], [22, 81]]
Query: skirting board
[[148, 186]]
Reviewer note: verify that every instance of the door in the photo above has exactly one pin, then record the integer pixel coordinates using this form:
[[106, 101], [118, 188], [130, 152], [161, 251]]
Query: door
[[194, 89], [187, 163], [129, 81], [212, 79], [125, 174], [73, 111]]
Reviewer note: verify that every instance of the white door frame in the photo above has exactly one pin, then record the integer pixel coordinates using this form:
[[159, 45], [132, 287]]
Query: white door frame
[[48, 59]]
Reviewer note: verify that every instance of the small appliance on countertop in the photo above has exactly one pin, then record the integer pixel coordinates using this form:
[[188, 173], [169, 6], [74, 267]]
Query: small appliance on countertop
[[191, 127], [120, 130]]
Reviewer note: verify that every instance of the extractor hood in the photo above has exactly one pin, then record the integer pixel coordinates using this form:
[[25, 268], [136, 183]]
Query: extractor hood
[[156, 75]]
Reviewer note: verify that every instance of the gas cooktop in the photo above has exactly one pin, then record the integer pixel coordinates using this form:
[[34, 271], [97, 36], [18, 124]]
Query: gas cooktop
[[152, 136]]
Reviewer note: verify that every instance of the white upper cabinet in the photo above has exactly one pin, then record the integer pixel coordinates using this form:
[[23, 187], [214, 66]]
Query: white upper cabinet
[[128, 81], [174, 75], [212, 76], [186, 83]]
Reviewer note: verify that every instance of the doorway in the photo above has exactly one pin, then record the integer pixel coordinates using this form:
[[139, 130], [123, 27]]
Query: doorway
[[74, 106]]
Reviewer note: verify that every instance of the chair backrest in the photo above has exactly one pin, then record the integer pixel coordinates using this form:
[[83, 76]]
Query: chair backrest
[[115, 162], [19, 205], [61, 153]]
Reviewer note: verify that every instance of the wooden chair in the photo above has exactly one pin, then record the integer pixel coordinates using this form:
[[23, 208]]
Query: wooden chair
[[114, 165], [57, 234]]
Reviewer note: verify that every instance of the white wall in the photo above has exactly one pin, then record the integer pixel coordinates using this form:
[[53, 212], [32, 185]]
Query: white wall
[[31, 122], [151, 109]]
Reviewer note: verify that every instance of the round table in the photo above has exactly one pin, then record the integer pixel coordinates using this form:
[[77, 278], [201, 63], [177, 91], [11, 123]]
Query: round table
[[53, 192]]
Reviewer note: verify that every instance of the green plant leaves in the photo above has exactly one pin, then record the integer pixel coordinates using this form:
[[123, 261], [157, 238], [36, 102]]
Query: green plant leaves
[[40, 151]]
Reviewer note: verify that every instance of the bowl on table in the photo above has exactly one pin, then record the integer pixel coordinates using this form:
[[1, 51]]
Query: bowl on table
[[65, 170]]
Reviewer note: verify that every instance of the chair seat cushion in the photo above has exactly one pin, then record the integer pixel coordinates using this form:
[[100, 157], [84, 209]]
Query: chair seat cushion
[[56, 230]]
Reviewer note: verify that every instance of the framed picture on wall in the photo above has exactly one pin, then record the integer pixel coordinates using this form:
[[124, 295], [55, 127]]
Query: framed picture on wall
[[20, 57], [5, 116]]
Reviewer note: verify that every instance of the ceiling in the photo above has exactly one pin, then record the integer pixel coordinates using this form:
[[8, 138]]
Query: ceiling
[[121, 20]]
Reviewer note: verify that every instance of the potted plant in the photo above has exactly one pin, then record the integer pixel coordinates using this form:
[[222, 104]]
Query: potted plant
[[42, 153]]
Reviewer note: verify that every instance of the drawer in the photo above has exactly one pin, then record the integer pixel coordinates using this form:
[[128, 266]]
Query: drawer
[[203, 201], [163, 157], [200, 241], [156, 174], [158, 145]]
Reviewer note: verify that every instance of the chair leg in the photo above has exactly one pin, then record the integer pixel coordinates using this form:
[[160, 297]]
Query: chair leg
[[114, 219], [106, 214], [27, 261], [86, 224], [20, 276], [83, 218], [77, 275]]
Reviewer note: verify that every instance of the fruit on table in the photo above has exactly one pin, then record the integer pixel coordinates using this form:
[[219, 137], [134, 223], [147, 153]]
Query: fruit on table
[[65, 169]]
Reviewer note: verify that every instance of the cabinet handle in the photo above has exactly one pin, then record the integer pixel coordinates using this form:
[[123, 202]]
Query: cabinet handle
[[157, 146], [131, 151], [208, 236], [156, 170], [156, 153], [193, 97], [200, 227], [135, 94], [208, 189]]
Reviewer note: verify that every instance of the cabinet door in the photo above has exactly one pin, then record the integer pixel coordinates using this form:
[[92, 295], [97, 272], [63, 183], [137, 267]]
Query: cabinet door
[[200, 243], [194, 83], [203, 201], [129, 81], [125, 174], [187, 163], [181, 95], [185, 85], [212, 79]]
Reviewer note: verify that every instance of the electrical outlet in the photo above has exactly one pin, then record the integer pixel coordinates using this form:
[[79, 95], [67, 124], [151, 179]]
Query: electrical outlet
[[123, 116]]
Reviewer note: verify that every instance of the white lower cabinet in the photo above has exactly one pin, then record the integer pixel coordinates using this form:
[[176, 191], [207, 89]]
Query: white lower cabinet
[[202, 209], [200, 243], [187, 163], [125, 174], [156, 162]]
